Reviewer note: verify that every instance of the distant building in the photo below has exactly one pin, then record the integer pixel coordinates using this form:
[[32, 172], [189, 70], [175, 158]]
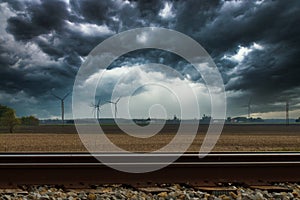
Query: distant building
[[239, 119], [175, 120], [142, 122], [245, 120], [50, 121], [205, 119]]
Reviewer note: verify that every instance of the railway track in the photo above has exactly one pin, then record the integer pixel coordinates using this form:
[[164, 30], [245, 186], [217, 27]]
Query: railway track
[[83, 170]]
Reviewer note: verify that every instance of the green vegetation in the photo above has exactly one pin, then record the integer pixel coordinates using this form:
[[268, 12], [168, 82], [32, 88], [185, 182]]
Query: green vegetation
[[298, 120], [30, 121], [8, 118]]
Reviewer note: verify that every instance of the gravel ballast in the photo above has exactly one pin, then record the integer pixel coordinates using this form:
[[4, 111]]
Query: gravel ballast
[[175, 191]]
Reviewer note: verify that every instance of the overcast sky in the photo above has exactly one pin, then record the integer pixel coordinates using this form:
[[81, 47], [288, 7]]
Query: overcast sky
[[255, 45]]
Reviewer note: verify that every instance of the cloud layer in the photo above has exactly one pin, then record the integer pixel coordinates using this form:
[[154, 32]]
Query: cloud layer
[[255, 45]]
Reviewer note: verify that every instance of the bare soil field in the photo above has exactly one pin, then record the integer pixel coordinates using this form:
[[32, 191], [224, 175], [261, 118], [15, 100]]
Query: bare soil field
[[233, 138]]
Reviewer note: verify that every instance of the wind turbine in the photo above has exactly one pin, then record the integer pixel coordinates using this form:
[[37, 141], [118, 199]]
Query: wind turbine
[[249, 108], [62, 99], [287, 107], [97, 108], [116, 106]]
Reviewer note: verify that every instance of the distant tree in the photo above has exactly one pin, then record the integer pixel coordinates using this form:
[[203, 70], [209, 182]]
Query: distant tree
[[29, 121], [175, 118], [228, 119], [298, 120], [3, 109], [8, 118]]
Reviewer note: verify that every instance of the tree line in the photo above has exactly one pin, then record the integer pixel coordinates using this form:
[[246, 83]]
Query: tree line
[[9, 119]]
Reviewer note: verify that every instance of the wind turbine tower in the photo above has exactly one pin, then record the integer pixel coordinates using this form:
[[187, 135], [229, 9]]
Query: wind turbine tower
[[62, 99], [97, 108], [287, 112], [116, 105], [249, 108]]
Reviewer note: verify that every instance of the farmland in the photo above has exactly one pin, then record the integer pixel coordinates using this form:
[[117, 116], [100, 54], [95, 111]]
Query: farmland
[[56, 138]]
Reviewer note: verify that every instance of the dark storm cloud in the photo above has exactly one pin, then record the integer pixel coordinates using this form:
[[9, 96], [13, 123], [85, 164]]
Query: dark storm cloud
[[39, 19], [147, 56], [94, 11], [269, 72], [50, 17], [35, 82], [220, 26], [266, 74], [275, 69]]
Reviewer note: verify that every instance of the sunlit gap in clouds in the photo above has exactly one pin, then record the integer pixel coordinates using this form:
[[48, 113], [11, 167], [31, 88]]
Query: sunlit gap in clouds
[[147, 87]]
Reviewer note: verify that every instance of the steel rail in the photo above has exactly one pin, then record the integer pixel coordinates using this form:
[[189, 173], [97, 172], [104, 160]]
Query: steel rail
[[78, 169]]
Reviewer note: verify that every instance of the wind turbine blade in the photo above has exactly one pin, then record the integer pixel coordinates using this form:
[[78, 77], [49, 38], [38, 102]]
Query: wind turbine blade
[[92, 105], [94, 114], [98, 102], [118, 99], [66, 95], [56, 96]]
